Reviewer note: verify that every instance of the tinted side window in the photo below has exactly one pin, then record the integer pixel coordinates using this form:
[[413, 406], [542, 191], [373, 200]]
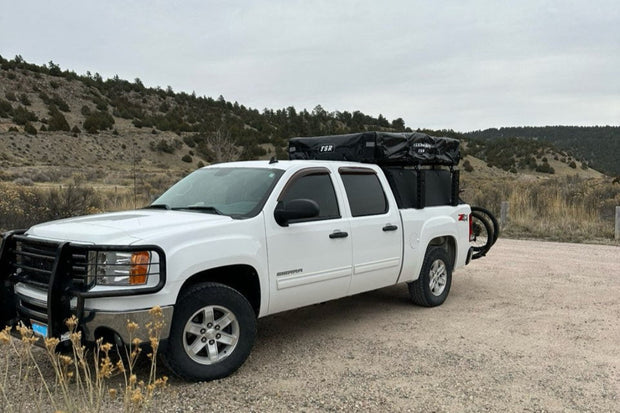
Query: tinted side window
[[365, 194], [318, 188]]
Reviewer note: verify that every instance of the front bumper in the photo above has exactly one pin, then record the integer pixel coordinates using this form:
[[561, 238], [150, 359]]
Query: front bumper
[[96, 322], [43, 282]]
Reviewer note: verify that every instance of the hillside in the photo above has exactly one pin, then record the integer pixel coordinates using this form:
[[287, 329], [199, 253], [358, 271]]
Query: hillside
[[597, 146], [45, 113], [44, 98], [77, 144]]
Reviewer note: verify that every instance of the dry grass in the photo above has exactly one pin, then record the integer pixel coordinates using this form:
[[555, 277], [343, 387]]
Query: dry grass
[[82, 380], [24, 206], [567, 208], [562, 209]]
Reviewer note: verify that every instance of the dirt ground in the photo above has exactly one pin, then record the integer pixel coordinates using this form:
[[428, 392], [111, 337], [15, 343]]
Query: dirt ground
[[532, 327]]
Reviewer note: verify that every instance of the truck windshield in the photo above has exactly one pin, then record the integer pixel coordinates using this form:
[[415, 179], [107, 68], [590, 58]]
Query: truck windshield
[[236, 192]]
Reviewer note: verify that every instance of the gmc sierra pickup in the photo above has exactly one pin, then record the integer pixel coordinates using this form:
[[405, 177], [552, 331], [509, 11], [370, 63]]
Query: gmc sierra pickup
[[227, 244]]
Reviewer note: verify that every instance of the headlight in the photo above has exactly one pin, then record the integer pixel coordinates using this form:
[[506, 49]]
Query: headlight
[[119, 267]]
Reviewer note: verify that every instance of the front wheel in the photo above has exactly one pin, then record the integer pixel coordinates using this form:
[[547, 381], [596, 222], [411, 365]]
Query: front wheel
[[212, 333], [433, 285]]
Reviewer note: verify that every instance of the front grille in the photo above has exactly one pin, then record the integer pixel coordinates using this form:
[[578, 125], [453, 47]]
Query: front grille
[[34, 261]]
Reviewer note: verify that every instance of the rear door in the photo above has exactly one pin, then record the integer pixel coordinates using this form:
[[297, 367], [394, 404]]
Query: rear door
[[376, 230], [310, 259]]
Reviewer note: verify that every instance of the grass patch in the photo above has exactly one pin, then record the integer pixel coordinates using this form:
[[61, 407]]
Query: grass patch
[[568, 209], [83, 380]]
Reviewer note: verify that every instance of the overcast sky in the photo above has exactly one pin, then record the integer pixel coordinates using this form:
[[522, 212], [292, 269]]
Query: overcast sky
[[463, 65]]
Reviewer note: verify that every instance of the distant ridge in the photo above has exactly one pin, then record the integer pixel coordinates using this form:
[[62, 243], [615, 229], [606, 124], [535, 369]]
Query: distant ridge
[[598, 145]]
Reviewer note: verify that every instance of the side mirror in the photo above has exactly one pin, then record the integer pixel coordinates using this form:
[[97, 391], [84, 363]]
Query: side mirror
[[295, 209]]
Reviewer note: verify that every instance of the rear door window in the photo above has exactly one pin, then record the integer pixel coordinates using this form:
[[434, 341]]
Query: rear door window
[[364, 192]]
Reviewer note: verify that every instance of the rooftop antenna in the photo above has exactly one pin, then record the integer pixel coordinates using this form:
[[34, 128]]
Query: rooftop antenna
[[273, 160]]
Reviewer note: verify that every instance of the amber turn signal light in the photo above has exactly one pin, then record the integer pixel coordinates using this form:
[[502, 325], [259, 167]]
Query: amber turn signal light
[[140, 261]]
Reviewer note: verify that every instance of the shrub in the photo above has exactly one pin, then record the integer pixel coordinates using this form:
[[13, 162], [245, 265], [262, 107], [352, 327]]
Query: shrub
[[58, 101], [201, 164], [187, 158], [252, 152], [572, 164], [75, 129], [545, 168], [21, 115], [57, 120], [11, 96], [29, 129], [100, 104], [97, 121], [5, 108], [85, 110], [23, 181], [189, 141], [23, 98], [467, 166], [164, 146]]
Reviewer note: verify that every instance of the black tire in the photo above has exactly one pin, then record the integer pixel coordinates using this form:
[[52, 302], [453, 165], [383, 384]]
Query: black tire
[[482, 235], [424, 291], [199, 348], [490, 218]]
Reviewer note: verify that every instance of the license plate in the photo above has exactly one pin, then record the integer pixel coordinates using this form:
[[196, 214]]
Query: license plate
[[39, 328]]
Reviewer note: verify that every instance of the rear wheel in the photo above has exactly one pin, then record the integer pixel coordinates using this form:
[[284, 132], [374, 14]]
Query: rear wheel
[[212, 333], [433, 285]]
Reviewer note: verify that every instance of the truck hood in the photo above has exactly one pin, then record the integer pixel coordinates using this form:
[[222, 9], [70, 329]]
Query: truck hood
[[124, 228]]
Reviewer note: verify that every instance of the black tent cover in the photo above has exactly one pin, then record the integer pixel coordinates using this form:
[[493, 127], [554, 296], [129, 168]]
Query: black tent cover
[[383, 148]]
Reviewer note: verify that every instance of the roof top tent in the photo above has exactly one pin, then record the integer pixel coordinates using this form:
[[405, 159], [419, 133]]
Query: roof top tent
[[420, 168]]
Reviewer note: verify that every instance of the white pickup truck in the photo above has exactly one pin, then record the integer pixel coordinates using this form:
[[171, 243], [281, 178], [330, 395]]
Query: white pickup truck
[[227, 244]]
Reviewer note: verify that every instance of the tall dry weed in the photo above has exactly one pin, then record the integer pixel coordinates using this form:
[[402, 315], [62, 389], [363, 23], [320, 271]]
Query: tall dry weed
[[82, 380]]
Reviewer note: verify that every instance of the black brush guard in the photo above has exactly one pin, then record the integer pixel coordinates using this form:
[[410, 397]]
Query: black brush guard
[[60, 269]]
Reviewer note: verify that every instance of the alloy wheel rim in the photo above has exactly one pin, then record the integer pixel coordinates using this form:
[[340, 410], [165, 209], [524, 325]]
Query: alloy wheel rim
[[438, 277], [211, 334]]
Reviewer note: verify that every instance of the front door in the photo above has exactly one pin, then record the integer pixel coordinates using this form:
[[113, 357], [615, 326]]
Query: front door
[[310, 259]]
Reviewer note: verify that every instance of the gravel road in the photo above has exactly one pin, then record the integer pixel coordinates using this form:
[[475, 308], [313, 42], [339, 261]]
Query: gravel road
[[532, 327]]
